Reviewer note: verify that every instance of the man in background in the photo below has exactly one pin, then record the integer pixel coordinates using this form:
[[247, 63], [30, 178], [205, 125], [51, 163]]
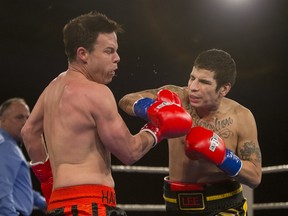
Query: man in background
[[16, 194]]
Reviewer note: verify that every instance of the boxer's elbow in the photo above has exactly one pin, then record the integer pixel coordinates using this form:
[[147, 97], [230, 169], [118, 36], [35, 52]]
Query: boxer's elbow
[[130, 158], [255, 182]]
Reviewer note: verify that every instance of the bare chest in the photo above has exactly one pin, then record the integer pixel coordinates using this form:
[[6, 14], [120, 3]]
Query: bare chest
[[222, 123]]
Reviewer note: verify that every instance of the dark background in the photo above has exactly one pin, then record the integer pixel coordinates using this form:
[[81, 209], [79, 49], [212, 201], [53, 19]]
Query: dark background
[[161, 41]]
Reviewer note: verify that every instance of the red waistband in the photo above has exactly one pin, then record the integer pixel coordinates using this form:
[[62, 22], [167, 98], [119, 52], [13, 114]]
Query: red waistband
[[82, 194], [180, 186]]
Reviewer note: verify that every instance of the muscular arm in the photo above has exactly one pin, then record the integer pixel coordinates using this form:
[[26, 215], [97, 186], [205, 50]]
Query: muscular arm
[[126, 103], [249, 151], [114, 133], [32, 133]]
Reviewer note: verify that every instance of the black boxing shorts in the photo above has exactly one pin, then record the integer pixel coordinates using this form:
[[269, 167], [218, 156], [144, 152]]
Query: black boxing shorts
[[224, 198], [94, 200]]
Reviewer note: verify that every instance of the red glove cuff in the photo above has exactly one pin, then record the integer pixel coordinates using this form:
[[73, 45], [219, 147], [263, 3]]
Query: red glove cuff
[[44, 174], [42, 170]]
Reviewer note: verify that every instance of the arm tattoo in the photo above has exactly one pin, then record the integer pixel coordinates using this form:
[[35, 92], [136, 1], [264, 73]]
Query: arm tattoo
[[127, 104], [251, 152]]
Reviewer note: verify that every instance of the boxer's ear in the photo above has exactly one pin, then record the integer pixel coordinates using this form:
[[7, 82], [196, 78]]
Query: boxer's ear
[[225, 89], [82, 54]]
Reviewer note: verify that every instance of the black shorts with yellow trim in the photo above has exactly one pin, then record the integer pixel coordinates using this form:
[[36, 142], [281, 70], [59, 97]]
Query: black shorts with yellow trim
[[203, 199]]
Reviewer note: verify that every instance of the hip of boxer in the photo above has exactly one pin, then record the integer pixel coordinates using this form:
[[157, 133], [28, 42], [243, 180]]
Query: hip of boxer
[[94, 200], [204, 199]]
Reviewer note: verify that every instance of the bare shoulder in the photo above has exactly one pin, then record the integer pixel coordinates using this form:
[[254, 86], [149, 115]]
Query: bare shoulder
[[87, 96], [181, 91], [174, 88], [152, 93], [235, 106], [238, 110], [98, 94]]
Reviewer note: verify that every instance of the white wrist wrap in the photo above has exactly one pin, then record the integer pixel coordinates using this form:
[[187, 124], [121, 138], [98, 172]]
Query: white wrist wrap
[[153, 134], [39, 162]]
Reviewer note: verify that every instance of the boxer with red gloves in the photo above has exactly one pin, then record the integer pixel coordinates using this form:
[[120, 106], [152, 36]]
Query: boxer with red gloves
[[165, 115], [208, 144], [43, 172], [196, 186]]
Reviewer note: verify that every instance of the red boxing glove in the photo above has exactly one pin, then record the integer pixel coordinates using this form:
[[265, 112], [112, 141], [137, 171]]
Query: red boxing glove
[[169, 122], [203, 142], [172, 119], [44, 174], [146, 107], [167, 119], [208, 144], [168, 96], [158, 133]]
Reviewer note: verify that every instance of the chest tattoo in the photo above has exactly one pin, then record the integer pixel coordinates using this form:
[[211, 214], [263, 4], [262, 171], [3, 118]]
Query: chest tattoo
[[220, 126]]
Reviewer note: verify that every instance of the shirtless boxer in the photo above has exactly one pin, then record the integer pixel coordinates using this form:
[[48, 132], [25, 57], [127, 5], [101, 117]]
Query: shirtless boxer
[[76, 121], [221, 152]]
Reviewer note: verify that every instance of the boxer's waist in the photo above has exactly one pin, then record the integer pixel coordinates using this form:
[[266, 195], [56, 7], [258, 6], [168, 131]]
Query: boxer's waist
[[99, 194], [182, 186], [210, 192]]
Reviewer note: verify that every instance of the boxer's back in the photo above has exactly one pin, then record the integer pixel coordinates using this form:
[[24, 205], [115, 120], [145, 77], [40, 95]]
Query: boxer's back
[[70, 133]]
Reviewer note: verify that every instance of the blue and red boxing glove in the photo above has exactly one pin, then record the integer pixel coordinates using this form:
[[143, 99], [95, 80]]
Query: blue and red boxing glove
[[145, 107], [207, 144], [165, 116]]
